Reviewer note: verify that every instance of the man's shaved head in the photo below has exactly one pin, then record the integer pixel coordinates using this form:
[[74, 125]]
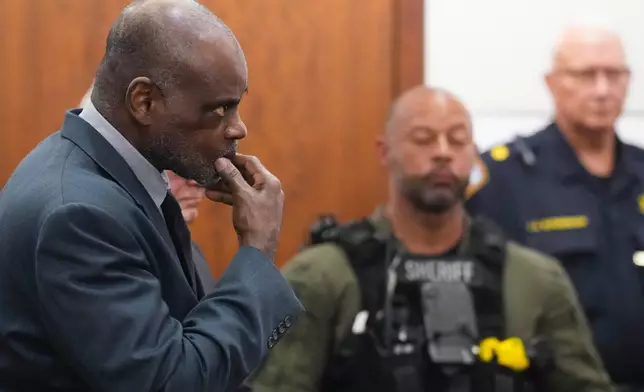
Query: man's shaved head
[[418, 99], [428, 148], [589, 76], [157, 38], [170, 81]]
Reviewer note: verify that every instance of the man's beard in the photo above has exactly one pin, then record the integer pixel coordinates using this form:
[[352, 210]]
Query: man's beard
[[173, 152], [434, 199]]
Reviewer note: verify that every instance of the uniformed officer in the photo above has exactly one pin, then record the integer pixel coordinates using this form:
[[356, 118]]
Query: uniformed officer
[[574, 190], [428, 151]]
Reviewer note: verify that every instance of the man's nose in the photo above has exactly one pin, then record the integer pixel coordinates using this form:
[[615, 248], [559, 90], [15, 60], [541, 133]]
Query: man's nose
[[236, 129], [443, 148], [602, 85]]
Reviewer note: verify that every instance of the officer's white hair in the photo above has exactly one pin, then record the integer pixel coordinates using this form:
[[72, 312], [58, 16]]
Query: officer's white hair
[[583, 22]]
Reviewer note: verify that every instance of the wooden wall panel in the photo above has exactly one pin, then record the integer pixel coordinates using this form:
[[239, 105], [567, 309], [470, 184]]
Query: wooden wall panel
[[49, 54], [319, 92], [322, 76], [408, 45]]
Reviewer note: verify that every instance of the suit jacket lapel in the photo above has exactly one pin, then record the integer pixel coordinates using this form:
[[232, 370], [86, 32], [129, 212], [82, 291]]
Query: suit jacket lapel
[[89, 140]]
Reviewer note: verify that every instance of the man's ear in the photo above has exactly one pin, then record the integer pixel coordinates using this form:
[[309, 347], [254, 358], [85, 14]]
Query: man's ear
[[548, 79], [139, 99], [382, 146]]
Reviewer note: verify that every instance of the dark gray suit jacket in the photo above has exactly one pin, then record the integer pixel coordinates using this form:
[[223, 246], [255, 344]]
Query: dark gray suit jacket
[[92, 293], [203, 269]]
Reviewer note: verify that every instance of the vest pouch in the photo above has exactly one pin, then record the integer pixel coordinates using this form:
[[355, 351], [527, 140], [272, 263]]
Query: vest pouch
[[450, 322], [365, 364], [356, 366], [406, 371], [406, 363], [491, 377]]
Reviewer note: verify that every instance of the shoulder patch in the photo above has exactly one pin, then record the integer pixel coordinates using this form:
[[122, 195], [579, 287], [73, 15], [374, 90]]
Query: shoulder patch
[[500, 153], [478, 177], [640, 202]]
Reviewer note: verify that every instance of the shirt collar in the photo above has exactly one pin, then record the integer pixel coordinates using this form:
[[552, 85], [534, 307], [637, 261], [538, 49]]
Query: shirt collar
[[154, 182], [560, 157], [383, 230]]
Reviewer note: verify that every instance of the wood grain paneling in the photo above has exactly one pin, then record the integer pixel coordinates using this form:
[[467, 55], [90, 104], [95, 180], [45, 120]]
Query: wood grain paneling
[[322, 76], [408, 45]]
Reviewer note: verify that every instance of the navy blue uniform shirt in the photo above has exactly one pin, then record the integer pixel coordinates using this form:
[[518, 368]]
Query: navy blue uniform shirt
[[538, 191]]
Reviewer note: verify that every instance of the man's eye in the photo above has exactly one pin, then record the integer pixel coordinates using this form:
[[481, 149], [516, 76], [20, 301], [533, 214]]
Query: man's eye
[[220, 110]]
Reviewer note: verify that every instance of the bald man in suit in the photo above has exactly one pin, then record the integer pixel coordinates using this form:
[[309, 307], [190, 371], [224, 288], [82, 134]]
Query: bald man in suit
[[189, 195]]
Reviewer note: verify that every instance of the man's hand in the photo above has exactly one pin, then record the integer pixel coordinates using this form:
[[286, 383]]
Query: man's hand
[[188, 193], [257, 199]]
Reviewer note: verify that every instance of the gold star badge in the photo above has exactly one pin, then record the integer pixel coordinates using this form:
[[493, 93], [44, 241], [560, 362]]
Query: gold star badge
[[500, 153], [640, 202]]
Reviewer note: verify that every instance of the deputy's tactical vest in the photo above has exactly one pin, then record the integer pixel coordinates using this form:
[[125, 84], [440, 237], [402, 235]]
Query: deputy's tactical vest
[[364, 367]]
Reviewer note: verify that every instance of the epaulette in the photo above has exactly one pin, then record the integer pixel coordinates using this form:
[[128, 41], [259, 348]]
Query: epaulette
[[525, 151], [353, 233], [320, 226], [519, 148], [485, 162], [350, 235], [359, 242], [520, 151]]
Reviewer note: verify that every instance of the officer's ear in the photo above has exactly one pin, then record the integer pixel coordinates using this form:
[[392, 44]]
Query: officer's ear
[[548, 79], [382, 146]]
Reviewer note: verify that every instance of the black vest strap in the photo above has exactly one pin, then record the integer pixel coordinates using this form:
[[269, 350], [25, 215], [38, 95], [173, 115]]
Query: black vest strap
[[367, 255], [488, 245]]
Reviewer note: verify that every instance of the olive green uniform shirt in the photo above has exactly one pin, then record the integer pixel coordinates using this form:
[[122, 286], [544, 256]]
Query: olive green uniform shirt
[[539, 299]]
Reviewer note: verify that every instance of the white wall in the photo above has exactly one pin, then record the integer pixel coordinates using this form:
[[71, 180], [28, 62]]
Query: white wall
[[493, 55]]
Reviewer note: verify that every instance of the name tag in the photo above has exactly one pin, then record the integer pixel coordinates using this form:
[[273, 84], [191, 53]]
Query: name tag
[[415, 269], [558, 223]]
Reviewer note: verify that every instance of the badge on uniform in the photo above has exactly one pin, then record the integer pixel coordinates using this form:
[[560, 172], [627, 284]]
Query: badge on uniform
[[500, 153], [638, 258], [478, 178], [640, 203]]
